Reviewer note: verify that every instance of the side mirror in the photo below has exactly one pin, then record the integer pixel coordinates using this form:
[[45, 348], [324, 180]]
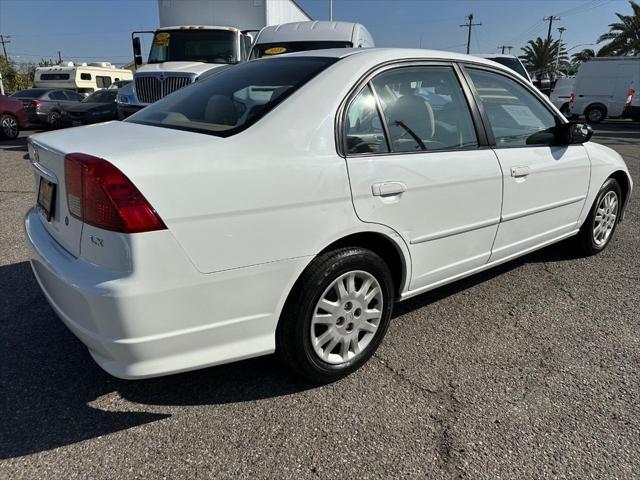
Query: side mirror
[[579, 133], [137, 51]]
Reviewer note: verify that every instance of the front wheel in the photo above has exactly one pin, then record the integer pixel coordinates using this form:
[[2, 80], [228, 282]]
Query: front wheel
[[9, 126], [598, 228], [595, 114], [336, 315], [53, 120]]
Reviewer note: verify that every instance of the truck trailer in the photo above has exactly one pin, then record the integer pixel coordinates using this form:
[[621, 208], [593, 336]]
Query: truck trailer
[[196, 36]]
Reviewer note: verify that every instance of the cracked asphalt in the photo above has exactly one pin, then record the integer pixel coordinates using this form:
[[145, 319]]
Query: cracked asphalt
[[531, 370]]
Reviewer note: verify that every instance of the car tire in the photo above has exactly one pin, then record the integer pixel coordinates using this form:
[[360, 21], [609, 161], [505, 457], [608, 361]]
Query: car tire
[[307, 334], [9, 126], [595, 114], [53, 119], [598, 229]]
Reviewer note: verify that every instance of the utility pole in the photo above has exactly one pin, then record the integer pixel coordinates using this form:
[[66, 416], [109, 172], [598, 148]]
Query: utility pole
[[550, 19], [4, 40], [505, 46], [561, 30], [59, 58], [470, 24], [331, 10]]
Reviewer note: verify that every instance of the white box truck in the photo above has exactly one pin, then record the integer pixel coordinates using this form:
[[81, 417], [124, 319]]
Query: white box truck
[[603, 86], [194, 37]]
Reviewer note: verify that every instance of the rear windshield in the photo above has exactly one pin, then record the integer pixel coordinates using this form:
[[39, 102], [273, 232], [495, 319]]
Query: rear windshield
[[270, 49], [31, 93], [513, 64], [234, 98]]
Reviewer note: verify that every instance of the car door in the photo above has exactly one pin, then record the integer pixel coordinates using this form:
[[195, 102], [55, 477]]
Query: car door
[[418, 164], [544, 184]]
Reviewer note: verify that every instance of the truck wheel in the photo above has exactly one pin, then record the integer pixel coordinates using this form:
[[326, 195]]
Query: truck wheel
[[595, 114]]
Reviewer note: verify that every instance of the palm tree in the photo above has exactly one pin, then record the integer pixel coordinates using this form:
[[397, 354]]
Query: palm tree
[[541, 55], [624, 35], [583, 55]]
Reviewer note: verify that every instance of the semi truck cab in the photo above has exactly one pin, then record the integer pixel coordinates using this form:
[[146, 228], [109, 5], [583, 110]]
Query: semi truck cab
[[178, 56]]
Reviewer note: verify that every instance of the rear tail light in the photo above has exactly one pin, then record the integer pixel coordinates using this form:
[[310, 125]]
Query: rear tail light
[[101, 195], [34, 103]]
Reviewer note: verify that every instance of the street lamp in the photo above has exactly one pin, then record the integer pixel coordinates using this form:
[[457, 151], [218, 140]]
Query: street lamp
[[561, 30]]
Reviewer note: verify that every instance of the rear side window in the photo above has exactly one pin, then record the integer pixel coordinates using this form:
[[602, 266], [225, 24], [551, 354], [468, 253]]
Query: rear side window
[[57, 95], [233, 99], [514, 113]]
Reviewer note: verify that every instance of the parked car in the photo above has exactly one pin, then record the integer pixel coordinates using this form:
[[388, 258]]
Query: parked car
[[44, 106], [286, 204], [303, 36], [98, 107], [12, 117], [561, 94], [602, 87]]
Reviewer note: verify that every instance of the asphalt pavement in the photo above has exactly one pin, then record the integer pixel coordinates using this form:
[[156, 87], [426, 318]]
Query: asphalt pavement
[[531, 370]]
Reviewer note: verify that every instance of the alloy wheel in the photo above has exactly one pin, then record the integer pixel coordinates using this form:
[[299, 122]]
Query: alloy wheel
[[10, 126], [346, 318], [605, 218]]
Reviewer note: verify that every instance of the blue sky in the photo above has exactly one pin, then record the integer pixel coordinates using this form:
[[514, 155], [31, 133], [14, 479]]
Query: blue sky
[[94, 30]]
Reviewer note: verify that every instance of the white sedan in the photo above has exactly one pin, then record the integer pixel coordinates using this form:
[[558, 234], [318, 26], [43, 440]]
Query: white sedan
[[285, 205]]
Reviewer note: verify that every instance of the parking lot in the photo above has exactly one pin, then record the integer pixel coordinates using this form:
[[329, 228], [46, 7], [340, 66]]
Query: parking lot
[[531, 370]]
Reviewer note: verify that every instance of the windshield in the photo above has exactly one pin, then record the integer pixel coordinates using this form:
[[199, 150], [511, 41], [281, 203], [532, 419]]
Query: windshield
[[207, 46], [513, 64], [32, 93], [234, 98], [271, 49]]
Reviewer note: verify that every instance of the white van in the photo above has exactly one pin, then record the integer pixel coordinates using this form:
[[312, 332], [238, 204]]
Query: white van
[[602, 88], [301, 36], [83, 78], [561, 94]]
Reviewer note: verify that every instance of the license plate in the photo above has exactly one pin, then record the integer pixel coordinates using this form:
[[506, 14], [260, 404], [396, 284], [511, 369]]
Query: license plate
[[46, 197]]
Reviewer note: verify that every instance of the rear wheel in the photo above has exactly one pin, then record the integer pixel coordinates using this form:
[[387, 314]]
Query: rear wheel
[[337, 314], [595, 114], [9, 126], [598, 228]]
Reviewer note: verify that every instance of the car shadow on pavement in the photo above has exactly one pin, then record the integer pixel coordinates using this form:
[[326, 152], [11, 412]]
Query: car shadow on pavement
[[53, 394]]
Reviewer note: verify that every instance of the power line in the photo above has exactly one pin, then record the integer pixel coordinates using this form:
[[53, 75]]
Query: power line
[[469, 25]]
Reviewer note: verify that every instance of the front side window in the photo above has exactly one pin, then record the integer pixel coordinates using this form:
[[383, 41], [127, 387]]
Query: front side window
[[364, 131], [516, 116], [425, 109], [198, 45], [233, 98]]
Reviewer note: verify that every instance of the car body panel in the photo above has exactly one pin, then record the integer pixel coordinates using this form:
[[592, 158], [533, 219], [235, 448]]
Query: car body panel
[[15, 108], [247, 214]]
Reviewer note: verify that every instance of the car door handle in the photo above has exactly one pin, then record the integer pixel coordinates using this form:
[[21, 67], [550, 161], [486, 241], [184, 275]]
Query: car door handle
[[385, 189], [518, 172]]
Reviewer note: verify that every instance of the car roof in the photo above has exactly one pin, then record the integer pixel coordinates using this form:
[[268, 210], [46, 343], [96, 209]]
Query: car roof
[[381, 55], [307, 31], [494, 55]]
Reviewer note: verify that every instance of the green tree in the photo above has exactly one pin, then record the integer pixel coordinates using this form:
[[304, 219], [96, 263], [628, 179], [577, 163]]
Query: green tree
[[541, 56], [583, 55], [623, 36]]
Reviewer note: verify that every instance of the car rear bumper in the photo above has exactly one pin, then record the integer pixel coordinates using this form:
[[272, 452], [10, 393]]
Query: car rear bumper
[[160, 319]]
